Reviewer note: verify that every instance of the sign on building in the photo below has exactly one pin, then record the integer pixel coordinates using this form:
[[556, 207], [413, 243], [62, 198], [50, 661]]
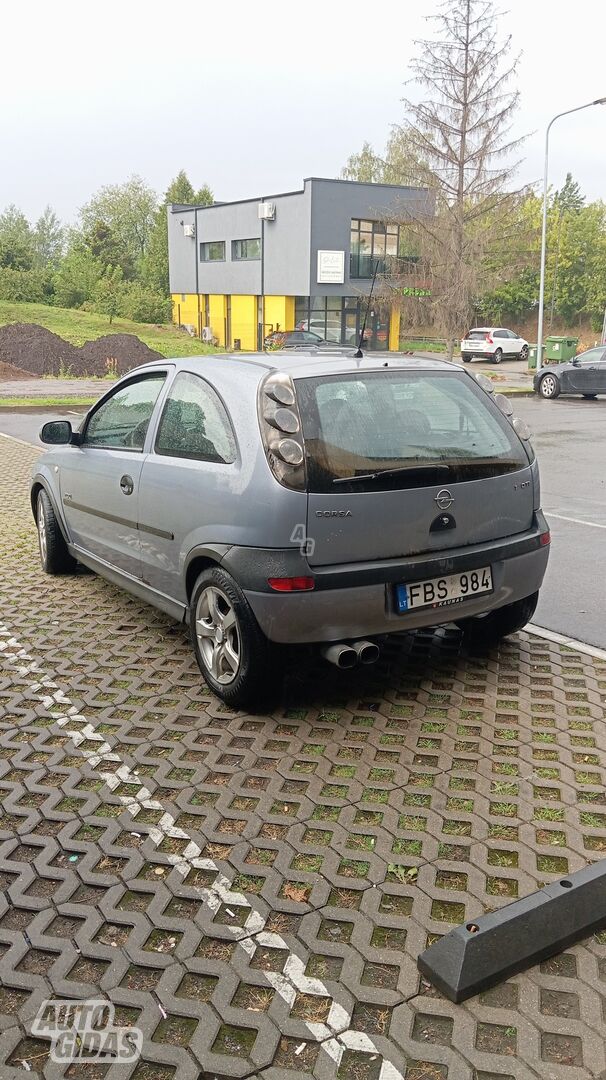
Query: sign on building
[[331, 267]]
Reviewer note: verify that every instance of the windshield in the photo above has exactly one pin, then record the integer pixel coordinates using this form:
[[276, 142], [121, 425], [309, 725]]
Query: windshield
[[396, 429]]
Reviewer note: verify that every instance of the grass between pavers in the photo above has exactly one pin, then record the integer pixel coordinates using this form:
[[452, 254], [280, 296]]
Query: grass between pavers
[[45, 402], [80, 326]]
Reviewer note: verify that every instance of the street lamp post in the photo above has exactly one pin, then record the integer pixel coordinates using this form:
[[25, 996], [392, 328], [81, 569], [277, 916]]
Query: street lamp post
[[598, 101]]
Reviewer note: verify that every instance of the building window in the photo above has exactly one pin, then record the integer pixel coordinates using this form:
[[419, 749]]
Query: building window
[[246, 249], [373, 243], [212, 251]]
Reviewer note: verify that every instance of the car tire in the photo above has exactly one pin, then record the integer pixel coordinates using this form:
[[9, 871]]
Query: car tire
[[54, 554], [239, 675], [549, 387], [524, 353], [467, 358], [590, 397], [498, 356], [498, 624]]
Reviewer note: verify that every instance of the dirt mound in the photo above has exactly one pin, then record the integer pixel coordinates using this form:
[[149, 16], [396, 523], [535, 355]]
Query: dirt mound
[[10, 373], [124, 351], [38, 351], [34, 349]]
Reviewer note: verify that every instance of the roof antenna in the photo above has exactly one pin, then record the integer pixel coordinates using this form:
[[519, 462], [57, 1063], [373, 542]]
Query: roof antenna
[[358, 355]]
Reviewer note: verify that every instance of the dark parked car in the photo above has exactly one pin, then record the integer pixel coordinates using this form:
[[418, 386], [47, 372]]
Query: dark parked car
[[292, 339], [585, 375]]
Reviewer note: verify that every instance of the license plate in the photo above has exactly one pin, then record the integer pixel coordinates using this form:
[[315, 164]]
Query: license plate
[[443, 591]]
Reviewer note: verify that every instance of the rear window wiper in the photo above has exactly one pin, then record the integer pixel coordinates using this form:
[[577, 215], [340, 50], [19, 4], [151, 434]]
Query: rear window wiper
[[391, 472]]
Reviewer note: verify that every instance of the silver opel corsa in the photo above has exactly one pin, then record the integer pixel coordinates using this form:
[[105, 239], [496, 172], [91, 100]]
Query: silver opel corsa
[[299, 498]]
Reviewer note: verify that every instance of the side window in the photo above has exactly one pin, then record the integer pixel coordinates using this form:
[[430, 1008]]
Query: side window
[[122, 421], [194, 423], [499, 333]]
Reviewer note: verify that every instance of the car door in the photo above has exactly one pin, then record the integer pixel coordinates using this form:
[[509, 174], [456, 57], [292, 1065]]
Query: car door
[[585, 376], [514, 343], [99, 481], [501, 340], [187, 481]]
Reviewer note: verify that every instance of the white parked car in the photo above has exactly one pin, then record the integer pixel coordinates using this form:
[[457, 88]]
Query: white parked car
[[493, 343]]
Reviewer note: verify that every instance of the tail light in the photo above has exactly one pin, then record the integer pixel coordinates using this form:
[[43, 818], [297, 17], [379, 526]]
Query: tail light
[[489, 339], [545, 539], [291, 584], [281, 432]]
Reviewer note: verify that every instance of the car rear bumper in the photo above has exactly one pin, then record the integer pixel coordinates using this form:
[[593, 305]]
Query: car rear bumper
[[482, 354], [359, 601]]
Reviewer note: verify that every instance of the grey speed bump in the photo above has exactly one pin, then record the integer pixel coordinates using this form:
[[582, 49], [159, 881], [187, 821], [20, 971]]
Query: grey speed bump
[[491, 948]]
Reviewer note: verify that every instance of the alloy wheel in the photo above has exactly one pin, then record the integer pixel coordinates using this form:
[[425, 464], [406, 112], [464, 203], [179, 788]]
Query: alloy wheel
[[548, 386], [218, 635]]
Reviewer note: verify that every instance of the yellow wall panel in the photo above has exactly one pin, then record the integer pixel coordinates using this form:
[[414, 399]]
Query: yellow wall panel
[[185, 311], [394, 330], [218, 310], [244, 321], [279, 313]]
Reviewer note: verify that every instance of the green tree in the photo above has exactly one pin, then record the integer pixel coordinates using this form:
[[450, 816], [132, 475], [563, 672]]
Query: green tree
[[16, 241], [108, 249], [127, 210], [48, 239], [400, 164], [107, 294], [77, 275], [180, 192]]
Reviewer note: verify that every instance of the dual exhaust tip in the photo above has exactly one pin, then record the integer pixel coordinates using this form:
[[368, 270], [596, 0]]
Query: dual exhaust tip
[[347, 656]]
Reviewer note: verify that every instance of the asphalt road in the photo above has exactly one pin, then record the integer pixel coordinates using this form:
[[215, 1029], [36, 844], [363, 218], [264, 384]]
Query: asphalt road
[[569, 435]]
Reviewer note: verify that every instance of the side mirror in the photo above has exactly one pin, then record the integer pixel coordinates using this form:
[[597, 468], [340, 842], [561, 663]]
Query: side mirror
[[576, 360], [57, 432]]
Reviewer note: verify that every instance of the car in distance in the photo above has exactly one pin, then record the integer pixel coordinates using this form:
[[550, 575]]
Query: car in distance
[[299, 499], [585, 375], [493, 343], [292, 339]]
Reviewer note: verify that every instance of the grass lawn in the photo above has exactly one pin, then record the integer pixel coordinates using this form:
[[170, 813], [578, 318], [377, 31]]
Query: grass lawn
[[80, 326], [44, 402]]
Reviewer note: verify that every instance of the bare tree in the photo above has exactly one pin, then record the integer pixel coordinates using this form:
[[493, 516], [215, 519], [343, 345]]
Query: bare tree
[[459, 135]]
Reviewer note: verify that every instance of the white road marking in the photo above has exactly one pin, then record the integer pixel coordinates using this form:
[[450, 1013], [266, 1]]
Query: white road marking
[[22, 442], [575, 521], [334, 1035], [571, 643]]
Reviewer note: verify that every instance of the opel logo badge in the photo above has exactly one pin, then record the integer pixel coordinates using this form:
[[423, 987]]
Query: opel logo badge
[[444, 499]]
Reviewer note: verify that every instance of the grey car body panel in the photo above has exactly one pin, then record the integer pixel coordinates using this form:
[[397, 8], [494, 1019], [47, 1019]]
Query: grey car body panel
[[240, 517], [393, 524], [368, 610]]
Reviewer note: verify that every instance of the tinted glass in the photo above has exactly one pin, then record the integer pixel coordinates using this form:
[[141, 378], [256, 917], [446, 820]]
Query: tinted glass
[[246, 249], [591, 356], [430, 427], [194, 423], [123, 420], [477, 335], [213, 252]]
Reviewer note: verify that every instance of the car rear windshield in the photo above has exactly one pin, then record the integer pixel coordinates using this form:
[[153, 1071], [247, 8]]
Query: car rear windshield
[[477, 335], [400, 429]]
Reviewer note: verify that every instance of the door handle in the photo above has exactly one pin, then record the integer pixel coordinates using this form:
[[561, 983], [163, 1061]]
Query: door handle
[[126, 484]]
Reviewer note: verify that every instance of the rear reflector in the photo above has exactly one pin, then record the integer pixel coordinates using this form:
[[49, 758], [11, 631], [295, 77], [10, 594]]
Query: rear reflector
[[291, 584], [545, 539]]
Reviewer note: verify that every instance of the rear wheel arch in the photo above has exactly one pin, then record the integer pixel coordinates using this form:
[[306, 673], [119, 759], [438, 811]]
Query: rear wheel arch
[[198, 562]]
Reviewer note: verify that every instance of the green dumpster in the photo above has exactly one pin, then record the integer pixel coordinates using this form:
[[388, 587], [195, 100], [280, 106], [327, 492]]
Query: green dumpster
[[532, 356], [560, 349]]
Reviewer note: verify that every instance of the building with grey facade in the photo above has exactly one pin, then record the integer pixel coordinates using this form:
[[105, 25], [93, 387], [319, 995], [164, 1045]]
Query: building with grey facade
[[298, 260]]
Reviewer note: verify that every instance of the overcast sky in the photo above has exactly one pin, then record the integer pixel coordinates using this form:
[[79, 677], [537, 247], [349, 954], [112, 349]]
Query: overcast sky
[[252, 98]]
